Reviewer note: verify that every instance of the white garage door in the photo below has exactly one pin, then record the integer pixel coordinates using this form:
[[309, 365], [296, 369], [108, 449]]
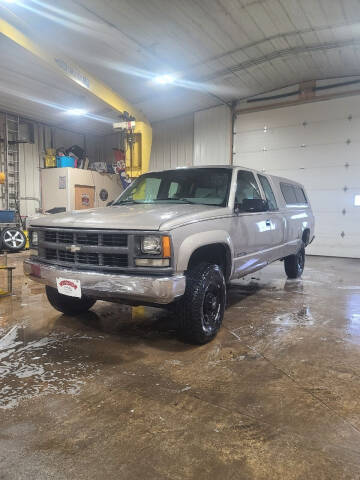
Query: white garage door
[[317, 144]]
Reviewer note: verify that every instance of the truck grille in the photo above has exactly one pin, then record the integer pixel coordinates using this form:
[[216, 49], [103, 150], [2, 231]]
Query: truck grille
[[86, 238], [84, 249]]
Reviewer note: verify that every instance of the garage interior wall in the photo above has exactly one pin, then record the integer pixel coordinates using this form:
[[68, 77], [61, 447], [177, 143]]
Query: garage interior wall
[[109, 142], [173, 143], [316, 144], [212, 136], [201, 138], [31, 159]]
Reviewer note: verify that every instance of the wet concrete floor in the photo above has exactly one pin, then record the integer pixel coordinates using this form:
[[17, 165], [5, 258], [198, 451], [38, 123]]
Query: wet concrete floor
[[114, 394]]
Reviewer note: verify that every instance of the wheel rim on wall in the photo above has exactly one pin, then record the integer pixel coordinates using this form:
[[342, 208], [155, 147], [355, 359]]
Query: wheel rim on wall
[[13, 239]]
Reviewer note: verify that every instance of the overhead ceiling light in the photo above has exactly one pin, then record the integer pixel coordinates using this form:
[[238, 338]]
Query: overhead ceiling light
[[76, 111], [164, 79]]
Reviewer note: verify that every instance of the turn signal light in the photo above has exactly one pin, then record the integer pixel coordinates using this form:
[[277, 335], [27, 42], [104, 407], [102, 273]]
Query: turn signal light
[[166, 247]]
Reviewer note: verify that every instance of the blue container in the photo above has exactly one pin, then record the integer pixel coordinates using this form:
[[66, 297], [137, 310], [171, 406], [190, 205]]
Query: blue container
[[7, 216], [65, 162]]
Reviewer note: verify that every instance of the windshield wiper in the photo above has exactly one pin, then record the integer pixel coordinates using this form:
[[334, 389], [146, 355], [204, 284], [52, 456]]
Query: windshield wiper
[[182, 200], [123, 202]]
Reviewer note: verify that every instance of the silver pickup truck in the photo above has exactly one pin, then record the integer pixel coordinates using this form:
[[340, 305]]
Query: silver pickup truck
[[175, 237]]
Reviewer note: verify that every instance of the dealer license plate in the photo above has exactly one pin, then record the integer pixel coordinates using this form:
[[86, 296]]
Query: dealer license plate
[[69, 287]]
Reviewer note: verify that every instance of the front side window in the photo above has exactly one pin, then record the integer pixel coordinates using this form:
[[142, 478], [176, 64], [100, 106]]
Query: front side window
[[205, 186], [247, 188], [269, 194]]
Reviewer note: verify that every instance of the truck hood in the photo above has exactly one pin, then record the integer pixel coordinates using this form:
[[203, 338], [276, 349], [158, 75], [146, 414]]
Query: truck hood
[[132, 217]]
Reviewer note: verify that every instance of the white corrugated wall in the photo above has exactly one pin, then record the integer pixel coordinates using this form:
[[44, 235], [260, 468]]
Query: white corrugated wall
[[202, 138], [212, 136], [173, 143]]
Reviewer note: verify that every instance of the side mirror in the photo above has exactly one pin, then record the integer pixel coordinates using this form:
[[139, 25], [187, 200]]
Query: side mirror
[[255, 205]]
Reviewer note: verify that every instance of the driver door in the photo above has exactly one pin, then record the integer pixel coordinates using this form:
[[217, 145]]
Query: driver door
[[251, 231]]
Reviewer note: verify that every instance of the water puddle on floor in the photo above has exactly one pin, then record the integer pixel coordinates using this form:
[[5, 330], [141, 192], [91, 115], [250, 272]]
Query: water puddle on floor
[[32, 364], [301, 318]]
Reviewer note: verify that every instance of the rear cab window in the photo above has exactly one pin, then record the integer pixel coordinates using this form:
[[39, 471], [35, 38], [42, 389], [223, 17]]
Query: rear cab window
[[293, 194]]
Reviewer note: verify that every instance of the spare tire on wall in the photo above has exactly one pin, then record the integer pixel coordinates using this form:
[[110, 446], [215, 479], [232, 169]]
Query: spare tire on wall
[[13, 239]]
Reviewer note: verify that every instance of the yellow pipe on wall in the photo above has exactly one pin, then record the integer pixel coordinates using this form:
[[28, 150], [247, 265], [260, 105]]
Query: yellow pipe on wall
[[60, 64]]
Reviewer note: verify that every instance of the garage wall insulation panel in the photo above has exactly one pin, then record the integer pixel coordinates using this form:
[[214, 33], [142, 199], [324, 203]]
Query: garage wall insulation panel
[[212, 136], [65, 138], [173, 143], [318, 145]]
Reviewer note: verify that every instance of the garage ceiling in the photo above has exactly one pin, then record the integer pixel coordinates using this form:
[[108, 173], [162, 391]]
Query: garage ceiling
[[219, 50]]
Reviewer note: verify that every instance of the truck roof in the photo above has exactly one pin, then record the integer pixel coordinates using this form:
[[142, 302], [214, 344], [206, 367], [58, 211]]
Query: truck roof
[[232, 167]]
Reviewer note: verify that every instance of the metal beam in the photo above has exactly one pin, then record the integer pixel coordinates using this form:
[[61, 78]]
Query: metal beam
[[69, 69]]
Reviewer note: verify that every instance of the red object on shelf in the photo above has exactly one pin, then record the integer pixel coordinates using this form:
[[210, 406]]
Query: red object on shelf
[[119, 155]]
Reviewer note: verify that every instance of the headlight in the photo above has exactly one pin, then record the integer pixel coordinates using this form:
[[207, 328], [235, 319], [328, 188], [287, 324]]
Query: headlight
[[34, 239], [151, 245]]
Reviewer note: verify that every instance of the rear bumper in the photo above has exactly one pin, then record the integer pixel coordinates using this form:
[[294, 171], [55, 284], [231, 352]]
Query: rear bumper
[[103, 286]]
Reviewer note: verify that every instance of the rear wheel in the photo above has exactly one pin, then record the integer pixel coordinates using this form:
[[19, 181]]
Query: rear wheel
[[203, 305], [294, 264], [68, 305], [13, 239]]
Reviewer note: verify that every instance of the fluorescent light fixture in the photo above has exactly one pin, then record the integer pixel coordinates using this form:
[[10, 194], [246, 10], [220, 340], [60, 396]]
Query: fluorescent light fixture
[[164, 79], [357, 200], [76, 111]]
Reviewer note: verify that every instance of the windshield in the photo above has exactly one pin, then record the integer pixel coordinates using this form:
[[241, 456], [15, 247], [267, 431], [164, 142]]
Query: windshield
[[205, 186]]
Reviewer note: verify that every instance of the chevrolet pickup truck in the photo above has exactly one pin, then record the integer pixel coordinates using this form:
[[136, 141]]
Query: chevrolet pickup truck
[[175, 237]]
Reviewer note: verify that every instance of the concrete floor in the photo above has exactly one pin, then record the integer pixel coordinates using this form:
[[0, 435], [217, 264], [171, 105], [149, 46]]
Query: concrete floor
[[113, 394]]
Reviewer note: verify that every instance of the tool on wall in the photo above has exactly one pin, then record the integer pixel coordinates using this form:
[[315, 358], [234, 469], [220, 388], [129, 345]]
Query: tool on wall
[[128, 156]]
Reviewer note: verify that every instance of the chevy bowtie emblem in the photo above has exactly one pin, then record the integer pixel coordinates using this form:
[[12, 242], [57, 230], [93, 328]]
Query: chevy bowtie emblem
[[73, 248]]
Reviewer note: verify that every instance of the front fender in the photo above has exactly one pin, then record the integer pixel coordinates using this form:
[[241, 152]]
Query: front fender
[[197, 240]]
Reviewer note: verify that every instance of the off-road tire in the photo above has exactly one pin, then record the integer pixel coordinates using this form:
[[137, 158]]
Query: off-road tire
[[295, 264], [203, 304], [69, 305]]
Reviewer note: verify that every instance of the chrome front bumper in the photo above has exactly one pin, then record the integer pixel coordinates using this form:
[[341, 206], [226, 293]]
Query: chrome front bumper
[[103, 286]]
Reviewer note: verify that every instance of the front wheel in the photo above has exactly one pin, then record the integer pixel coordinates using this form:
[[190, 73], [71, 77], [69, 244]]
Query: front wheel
[[294, 264], [203, 305], [68, 305]]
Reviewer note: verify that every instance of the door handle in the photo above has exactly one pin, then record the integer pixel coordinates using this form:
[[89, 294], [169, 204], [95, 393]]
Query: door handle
[[268, 223]]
